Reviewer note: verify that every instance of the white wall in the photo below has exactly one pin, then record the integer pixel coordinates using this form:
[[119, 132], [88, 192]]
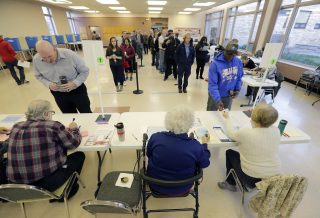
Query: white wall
[[25, 18], [187, 21]]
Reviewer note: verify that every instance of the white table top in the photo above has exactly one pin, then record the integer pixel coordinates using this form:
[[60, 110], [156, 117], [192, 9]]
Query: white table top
[[254, 81], [86, 121], [137, 123]]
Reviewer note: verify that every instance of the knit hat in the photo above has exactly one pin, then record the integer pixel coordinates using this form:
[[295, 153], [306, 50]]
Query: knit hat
[[232, 46]]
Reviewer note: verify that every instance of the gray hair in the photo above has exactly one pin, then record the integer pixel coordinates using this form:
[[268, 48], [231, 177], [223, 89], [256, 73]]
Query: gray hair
[[179, 120], [37, 108], [264, 114]]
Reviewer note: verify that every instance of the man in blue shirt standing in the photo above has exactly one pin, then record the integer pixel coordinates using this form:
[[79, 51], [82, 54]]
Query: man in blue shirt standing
[[225, 75]]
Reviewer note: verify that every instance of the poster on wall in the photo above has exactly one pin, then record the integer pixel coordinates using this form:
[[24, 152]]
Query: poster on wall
[[194, 32]]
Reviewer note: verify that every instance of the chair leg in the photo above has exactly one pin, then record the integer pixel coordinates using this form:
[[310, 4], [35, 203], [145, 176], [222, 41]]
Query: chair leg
[[196, 190], [144, 200], [23, 210], [66, 207], [80, 181]]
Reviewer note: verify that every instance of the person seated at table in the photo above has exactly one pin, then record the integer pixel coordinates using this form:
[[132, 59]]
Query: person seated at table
[[3, 160], [173, 155], [248, 64], [258, 146], [37, 150], [259, 53]]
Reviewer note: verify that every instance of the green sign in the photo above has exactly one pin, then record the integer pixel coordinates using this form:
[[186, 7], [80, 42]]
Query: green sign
[[273, 61], [100, 60]]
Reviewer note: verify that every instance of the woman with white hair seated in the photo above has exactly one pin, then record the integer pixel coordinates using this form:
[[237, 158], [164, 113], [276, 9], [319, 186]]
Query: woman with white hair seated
[[259, 148], [173, 155], [37, 150]]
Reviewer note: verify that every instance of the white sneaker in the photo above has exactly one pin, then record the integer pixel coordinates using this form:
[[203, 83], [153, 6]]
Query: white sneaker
[[227, 186]]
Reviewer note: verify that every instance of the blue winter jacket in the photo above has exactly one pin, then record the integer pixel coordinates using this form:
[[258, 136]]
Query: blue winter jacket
[[181, 55], [224, 76], [174, 157]]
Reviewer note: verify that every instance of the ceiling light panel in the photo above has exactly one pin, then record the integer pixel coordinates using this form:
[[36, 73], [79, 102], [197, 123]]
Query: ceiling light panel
[[124, 12], [154, 12], [108, 2], [203, 4], [192, 9], [185, 12], [57, 1], [92, 11], [79, 7], [157, 2]]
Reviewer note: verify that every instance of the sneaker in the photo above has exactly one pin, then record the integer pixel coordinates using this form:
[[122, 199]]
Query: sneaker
[[180, 90], [25, 82], [185, 91], [201, 77], [227, 186], [197, 77], [118, 88], [121, 88], [165, 79]]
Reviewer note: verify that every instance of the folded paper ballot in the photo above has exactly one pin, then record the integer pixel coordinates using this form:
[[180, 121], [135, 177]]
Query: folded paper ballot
[[24, 64], [200, 132], [124, 180], [99, 137], [221, 135]]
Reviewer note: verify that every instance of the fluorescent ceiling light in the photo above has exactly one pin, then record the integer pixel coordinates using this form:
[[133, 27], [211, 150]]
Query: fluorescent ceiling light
[[203, 4], [57, 1], [192, 9], [155, 8], [157, 2], [108, 2], [92, 11], [79, 7], [124, 12], [154, 12], [185, 12], [118, 8]]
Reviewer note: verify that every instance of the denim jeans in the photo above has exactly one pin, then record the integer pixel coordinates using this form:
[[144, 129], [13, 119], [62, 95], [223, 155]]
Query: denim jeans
[[11, 66]]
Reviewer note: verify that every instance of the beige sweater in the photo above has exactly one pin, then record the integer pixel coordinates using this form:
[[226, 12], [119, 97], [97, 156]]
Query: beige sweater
[[259, 149]]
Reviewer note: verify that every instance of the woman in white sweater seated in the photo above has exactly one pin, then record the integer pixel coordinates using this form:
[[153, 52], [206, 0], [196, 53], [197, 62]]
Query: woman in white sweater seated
[[258, 146]]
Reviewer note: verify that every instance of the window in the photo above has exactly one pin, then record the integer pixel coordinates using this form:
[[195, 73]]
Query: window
[[303, 44], [317, 26], [243, 22], [49, 20], [280, 27], [71, 22], [302, 20], [213, 26]]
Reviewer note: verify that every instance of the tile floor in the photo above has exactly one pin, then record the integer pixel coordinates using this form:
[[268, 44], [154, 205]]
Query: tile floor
[[158, 95]]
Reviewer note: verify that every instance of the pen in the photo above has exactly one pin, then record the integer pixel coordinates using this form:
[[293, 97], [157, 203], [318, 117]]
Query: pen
[[73, 119], [285, 134], [79, 127]]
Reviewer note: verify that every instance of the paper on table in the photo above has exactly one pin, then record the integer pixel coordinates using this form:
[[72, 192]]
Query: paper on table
[[127, 184], [11, 119], [100, 137], [24, 64], [291, 132]]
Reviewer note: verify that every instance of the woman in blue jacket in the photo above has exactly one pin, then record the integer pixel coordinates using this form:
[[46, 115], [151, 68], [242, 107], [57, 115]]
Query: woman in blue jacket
[[184, 56], [173, 155]]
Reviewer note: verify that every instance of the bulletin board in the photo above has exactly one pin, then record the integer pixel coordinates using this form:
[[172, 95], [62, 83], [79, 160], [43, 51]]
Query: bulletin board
[[194, 32]]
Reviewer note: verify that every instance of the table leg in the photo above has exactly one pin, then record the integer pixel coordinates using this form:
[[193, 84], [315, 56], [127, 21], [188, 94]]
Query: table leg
[[100, 161], [315, 102], [138, 152]]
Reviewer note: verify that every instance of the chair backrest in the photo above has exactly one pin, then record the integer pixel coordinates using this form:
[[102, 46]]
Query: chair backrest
[[60, 39], [278, 194], [47, 38], [31, 41], [15, 43], [18, 193], [69, 38], [77, 37]]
